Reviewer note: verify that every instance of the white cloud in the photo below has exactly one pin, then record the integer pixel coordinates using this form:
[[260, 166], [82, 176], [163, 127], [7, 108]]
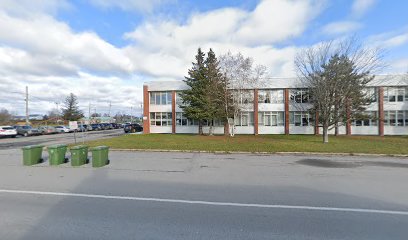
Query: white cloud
[[131, 5], [341, 27], [54, 60], [42, 37], [33, 7], [166, 48], [277, 20], [389, 40], [360, 7]]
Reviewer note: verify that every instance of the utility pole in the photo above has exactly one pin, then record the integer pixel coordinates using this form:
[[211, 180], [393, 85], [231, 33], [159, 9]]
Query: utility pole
[[131, 117], [57, 103], [110, 105], [89, 113], [26, 99]]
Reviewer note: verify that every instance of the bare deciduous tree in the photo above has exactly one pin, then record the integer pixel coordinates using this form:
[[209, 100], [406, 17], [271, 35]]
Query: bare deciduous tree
[[241, 76], [336, 74]]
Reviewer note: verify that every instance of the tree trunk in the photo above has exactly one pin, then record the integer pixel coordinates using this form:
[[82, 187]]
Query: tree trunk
[[200, 128], [211, 130], [325, 133], [226, 128], [336, 129]]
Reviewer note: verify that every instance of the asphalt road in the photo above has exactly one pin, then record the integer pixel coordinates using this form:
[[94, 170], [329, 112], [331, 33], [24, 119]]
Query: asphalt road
[[144, 195], [64, 138]]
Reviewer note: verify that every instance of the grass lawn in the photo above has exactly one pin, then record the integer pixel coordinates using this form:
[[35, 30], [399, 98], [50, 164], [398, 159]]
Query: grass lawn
[[260, 143]]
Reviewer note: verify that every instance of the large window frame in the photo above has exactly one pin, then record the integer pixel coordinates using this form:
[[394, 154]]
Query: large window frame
[[396, 94], [161, 119], [244, 119], [300, 95], [398, 118], [161, 98], [272, 119], [370, 118], [182, 120], [301, 119], [274, 96]]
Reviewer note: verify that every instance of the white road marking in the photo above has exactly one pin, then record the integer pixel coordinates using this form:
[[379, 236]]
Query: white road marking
[[165, 200]]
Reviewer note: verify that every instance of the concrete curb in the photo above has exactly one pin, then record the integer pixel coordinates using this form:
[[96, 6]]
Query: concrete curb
[[263, 153]]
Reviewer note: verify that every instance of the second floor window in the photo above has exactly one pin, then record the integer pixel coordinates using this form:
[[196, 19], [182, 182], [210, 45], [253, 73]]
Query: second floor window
[[160, 98], [299, 96], [396, 94], [270, 96]]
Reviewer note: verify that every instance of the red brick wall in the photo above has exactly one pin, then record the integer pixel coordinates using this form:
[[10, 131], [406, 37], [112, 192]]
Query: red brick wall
[[146, 111]]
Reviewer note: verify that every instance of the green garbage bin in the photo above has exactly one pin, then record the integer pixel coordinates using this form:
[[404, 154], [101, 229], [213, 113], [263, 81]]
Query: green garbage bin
[[79, 155], [32, 155], [100, 156], [56, 154]]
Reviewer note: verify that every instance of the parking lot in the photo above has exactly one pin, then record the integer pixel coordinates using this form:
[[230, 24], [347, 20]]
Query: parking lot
[[64, 138]]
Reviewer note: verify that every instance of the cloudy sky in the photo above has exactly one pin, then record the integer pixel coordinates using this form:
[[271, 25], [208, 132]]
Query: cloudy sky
[[103, 50]]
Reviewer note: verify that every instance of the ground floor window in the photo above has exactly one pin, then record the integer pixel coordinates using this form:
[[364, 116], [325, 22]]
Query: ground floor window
[[182, 120], [160, 119], [271, 118], [367, 118], [396, 118], [244, 119], [301, 119]]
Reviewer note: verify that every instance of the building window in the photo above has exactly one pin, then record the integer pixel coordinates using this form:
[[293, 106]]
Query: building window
[[368, 118], [270, 96], [371, 93], [300, 119], [182, 120], [271, 118], [179, 100], [395, 94], [396, 118], [244, 96], [299, 96], [160, 98], [244, 119], [160, 119]]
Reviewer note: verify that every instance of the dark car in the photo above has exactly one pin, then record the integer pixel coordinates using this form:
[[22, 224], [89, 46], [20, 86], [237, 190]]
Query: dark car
[[96, 127], [27, 130], [133, 128]]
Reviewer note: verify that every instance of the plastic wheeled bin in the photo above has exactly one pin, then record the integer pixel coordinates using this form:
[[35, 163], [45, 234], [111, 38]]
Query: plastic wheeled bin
[[57, 153], [79, 155], [32, 155], [100, 156]]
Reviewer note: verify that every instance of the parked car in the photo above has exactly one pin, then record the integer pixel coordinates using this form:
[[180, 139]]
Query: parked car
[[63, 129], [88, 127], [133, 128], [81, 128], [26, 130], [8, 131], [47, 130], [96, 127]]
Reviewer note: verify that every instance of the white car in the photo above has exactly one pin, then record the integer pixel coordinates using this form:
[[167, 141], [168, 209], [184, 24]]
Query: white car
[[8, 131], [63, 129]]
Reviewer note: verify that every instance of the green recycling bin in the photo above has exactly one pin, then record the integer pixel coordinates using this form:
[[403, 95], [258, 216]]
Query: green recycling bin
[[32, 155], [79, 155], [56, 154], [100, 156]]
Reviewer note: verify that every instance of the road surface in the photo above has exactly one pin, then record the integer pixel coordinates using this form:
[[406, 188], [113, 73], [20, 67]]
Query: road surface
[[143, 195]]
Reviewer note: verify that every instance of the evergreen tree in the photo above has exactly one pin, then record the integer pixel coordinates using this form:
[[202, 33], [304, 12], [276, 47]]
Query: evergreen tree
[[195, 99], [71, 110], [219, 97]]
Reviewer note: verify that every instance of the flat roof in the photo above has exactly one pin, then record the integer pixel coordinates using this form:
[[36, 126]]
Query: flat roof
[[278, 83]]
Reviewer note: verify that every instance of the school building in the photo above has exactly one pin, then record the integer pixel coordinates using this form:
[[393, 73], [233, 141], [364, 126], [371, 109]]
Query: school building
[[279, 106]]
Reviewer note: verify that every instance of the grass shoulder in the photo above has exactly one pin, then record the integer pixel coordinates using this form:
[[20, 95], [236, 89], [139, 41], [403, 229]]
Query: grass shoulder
[[260, 143]]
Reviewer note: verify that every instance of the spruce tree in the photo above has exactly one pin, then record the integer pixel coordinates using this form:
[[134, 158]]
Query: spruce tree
[[195, 98], [71, 110]]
